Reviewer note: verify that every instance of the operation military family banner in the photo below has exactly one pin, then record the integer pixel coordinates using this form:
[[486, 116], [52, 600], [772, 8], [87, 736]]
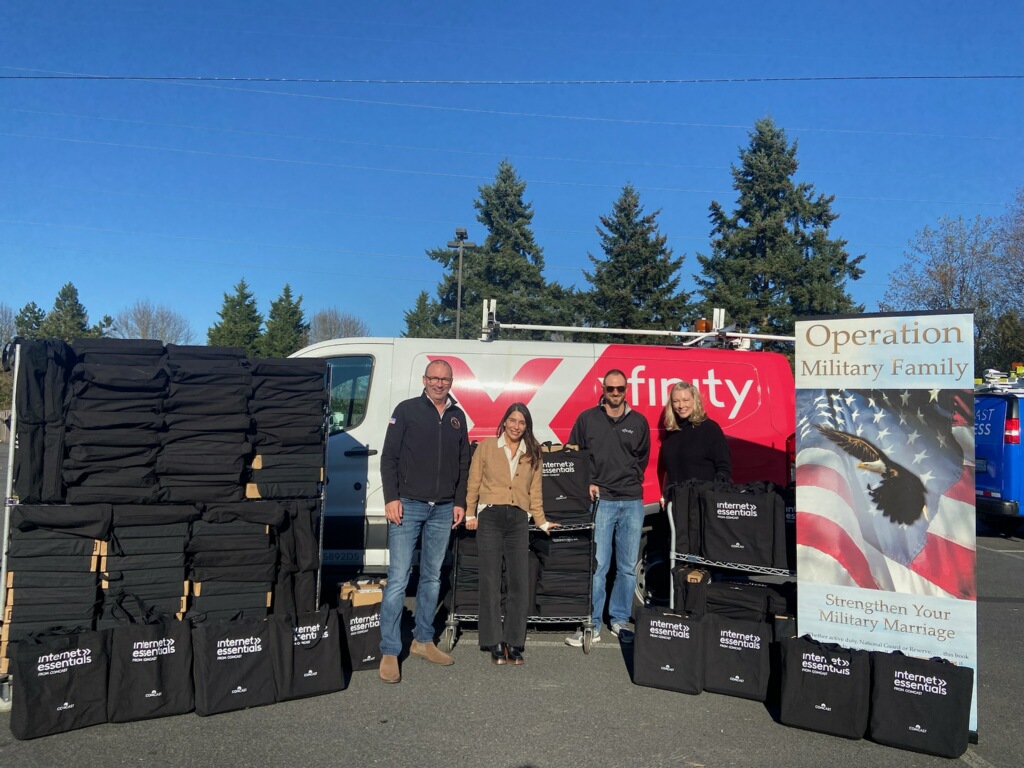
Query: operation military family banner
[[885, 484]]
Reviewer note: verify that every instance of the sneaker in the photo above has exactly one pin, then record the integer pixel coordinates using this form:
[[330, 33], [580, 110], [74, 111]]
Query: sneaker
[[576, 640], [624, 633]]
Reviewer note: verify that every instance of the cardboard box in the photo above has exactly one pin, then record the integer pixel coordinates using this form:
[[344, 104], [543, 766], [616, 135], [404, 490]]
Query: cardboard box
[[362, 592]]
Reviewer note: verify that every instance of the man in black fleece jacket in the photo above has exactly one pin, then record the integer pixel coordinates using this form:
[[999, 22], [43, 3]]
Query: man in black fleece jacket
[[424, 466], [619, 441]]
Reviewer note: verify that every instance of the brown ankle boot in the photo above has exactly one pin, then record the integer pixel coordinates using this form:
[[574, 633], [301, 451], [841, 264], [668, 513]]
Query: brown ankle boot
[[389, 669], [431, 653]]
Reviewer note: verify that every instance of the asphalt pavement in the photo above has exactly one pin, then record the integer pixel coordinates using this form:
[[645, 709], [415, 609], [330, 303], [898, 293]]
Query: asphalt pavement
[[562, 708]]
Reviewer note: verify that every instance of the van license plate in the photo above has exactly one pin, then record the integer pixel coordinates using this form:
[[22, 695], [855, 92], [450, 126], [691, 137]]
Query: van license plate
[[981, 465]]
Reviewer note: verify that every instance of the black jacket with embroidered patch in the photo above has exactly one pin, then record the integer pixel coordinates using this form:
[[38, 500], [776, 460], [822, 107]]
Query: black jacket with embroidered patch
[[426, 454]]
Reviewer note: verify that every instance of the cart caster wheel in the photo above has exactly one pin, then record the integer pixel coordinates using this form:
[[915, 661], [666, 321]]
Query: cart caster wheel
[[588, 640], [448, 640]]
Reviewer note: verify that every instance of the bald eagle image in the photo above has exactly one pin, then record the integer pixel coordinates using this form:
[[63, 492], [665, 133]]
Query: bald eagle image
[[900, 494]]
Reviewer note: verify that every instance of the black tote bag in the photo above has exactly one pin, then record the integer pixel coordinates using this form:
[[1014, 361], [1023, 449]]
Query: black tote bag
[[62, 683], [360, 611], [922, 705], [737, 657], [565, 484], [825, 687], [232, 668], [306, 653], [738, 527], [150, 668], [668, 651]]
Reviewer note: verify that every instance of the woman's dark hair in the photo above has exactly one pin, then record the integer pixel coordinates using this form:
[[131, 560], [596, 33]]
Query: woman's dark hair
[[529, 441]]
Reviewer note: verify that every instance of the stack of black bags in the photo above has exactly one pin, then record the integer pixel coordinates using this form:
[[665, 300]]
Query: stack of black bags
[[298, 539], [467, 575], [565, 559], [39, 404], [566, 565], [206, 444], [143, 564], [288, 404], [113, 421], [53, 555], [52, 559], [232, 560]]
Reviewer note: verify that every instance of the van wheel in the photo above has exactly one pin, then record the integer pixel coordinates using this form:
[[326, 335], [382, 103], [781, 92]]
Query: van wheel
[[653, 574]]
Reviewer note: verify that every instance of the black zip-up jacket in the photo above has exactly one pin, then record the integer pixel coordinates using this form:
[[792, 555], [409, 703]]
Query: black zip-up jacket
[[619, 450], [426, 454]]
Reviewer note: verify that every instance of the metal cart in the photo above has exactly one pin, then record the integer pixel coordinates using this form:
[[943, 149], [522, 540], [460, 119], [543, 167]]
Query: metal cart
[[451, 630], [682, 557]]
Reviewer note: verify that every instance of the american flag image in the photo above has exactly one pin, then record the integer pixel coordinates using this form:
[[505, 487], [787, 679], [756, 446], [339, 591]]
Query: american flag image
[[907, 526]]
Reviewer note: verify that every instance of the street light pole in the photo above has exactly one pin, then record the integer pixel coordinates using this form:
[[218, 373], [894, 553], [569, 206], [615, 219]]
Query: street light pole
[[459, 242]]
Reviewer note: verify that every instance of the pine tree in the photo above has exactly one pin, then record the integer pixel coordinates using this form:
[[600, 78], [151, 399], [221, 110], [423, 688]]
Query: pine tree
[[68, 319], [240, 322], [634, 285], [772, 259], [507, 266], [421, 322], [29, 321], [286, 327]]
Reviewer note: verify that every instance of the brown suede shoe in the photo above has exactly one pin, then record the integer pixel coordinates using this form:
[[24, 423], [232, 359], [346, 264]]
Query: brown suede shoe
[[431, 653], [389, 669]]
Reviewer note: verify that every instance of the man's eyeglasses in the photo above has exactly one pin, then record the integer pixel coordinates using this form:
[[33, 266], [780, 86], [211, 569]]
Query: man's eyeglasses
[[611, 390], [442, 380]]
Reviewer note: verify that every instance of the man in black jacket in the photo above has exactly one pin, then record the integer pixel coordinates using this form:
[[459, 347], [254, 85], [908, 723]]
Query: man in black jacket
[[619, 441], [424, 467]]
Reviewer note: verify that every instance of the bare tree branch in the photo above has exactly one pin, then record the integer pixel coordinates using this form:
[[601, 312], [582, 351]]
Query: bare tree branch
[[145, 320], [333, 324]]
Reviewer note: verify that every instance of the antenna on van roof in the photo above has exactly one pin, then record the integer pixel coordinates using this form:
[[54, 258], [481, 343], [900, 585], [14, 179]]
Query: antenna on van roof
[[489, 322]]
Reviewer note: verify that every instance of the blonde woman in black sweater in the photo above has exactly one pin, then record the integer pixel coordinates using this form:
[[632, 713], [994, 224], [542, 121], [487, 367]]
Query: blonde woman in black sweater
[[694, 446]]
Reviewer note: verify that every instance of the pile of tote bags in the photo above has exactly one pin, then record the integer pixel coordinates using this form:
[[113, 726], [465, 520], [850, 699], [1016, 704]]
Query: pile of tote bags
[[131, 471]]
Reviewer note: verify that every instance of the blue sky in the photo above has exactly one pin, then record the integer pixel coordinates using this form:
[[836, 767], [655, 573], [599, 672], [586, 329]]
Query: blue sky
[[173, 191]]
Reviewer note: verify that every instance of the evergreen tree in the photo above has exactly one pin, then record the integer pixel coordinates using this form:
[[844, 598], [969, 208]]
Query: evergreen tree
[[29, 321], [1004, 346], [68, 319], [240, 322], [634, 286], [421, 322], [286, 326], [772, 259], [507, 266]]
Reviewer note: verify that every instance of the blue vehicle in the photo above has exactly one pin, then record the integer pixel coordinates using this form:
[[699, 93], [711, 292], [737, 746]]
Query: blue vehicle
[[999, 456]]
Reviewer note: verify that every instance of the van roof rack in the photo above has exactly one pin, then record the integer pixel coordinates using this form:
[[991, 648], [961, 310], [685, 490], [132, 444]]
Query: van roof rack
[[719, 335]]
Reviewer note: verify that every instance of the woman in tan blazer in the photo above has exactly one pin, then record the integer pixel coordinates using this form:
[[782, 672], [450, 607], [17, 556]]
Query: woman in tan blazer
[[503, 494]]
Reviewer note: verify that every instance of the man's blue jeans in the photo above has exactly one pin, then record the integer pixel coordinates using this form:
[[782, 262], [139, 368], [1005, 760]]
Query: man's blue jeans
[[620, 522], [434, 521]]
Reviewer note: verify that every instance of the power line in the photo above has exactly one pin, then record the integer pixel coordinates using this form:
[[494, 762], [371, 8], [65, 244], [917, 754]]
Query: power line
[[438, 174], [447, 150], [390, 81], [210, 83]]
